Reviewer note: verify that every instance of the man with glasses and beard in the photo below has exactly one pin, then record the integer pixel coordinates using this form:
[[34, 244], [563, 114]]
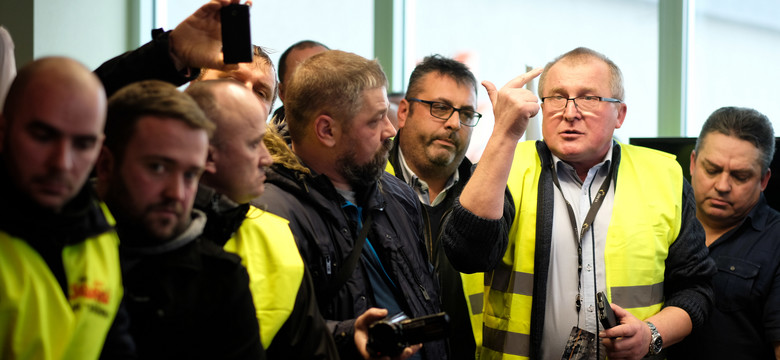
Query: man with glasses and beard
[[345, 206], [436, 120]]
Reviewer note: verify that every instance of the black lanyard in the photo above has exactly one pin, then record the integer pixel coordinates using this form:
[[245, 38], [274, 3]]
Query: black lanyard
[[579, 235]]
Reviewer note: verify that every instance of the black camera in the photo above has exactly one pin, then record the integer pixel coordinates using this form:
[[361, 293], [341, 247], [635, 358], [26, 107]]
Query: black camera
[[389, 336]]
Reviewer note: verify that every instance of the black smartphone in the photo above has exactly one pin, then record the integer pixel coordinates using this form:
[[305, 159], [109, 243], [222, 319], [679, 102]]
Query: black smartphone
[[606, 315], [236, 40]]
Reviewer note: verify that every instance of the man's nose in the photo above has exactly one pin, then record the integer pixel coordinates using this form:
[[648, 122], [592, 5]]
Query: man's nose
[[175, 187], [61, 156]]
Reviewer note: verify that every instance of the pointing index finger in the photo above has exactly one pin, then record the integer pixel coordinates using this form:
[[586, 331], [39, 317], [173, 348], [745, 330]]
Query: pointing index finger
[[521, 80]]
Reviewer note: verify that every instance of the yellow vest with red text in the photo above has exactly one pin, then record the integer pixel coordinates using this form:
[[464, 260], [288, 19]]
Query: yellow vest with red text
[[646, 219], [269, 252], [36, 320]]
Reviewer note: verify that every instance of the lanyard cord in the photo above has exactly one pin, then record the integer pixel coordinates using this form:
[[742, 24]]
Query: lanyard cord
[[579, 235]]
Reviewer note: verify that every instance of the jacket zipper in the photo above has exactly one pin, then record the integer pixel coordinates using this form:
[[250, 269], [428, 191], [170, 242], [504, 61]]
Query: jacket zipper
[[416, 278]]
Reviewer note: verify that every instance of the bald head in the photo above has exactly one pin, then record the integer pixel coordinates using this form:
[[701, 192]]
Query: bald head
[[237, 153], [52, 128]]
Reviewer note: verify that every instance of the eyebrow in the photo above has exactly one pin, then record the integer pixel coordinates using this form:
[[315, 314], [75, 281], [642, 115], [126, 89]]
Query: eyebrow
[[743, 171], [40, 125], [169, 161], [558, 90]]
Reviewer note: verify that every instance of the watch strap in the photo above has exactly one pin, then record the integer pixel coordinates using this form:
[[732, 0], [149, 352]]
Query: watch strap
[[656, 342]]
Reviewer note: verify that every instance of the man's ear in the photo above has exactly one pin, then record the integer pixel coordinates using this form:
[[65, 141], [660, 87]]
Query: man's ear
[[765, 179], [326, 129], [281, 92], [403, 112], [211, 160], [104, 167]]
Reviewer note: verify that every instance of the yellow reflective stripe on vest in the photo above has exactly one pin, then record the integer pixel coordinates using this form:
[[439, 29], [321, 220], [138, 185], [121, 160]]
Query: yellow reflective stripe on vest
[[474, 291], [36, 321], [268, 251], [637, 245]]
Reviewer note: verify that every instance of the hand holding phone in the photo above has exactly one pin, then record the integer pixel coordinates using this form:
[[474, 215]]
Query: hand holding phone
[[605, 313], [236, 40]]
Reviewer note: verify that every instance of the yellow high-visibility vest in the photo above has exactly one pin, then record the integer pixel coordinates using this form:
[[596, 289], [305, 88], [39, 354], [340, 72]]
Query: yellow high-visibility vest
[[268, 251], [646, 219], [36, 320]]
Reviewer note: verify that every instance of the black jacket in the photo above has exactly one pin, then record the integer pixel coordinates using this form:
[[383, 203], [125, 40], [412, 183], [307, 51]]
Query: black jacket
[[152, 61], [325, 237], [461, 338], [189, 299]]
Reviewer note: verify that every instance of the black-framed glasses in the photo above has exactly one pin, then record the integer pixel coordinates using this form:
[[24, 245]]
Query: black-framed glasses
[[444, 111], [585, 103]]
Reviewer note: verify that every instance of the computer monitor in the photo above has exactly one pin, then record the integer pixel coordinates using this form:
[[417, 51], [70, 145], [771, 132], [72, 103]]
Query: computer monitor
[[682, 147]]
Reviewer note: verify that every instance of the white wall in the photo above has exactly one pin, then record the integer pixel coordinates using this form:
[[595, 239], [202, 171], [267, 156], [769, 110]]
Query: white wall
[[87, 30], [504, 36]]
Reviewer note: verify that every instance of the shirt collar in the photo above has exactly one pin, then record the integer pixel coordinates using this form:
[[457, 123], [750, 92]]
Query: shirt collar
[[420, 186], [565, 168], [759, 215]]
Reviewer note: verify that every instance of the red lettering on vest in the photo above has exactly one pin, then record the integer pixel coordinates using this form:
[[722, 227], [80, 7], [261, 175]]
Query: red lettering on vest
[[95, 292]]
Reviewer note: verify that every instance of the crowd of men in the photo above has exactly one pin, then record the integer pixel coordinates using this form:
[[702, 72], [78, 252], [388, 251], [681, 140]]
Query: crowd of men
[[138, 220]]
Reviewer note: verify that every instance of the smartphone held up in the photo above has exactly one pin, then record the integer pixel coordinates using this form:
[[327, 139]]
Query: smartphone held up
[[236, 39]]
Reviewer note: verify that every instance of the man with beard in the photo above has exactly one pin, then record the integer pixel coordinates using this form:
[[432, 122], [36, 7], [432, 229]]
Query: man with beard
[[436, 118], [187, 298], [358, 228]]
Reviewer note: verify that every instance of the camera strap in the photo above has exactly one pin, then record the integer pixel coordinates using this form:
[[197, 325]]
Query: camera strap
[[352, 259]]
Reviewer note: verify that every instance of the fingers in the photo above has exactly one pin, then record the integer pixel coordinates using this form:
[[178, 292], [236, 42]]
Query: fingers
[[408, 352], [521, 80], [371, 316], [491, 91]]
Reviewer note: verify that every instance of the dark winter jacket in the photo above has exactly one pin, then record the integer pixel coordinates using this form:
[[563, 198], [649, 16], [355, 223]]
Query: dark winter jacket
[[326, 235]]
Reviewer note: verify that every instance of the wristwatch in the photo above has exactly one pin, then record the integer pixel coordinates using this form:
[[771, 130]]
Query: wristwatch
[[656, 343]]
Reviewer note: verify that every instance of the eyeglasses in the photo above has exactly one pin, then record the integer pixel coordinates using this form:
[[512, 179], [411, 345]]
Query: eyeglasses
[[443, 111], [584, 103]]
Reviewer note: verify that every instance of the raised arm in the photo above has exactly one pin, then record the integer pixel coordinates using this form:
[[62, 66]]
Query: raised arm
[[513, 106]]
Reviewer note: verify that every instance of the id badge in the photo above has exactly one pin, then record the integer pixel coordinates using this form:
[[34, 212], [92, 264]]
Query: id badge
[[582, 345]]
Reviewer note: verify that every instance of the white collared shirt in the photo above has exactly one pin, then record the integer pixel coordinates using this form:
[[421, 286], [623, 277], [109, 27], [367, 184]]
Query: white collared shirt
[[562, 283], [420, 186]]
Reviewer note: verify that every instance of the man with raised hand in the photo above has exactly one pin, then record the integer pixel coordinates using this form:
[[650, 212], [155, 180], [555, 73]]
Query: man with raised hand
[[192, 50], [585, 214]]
